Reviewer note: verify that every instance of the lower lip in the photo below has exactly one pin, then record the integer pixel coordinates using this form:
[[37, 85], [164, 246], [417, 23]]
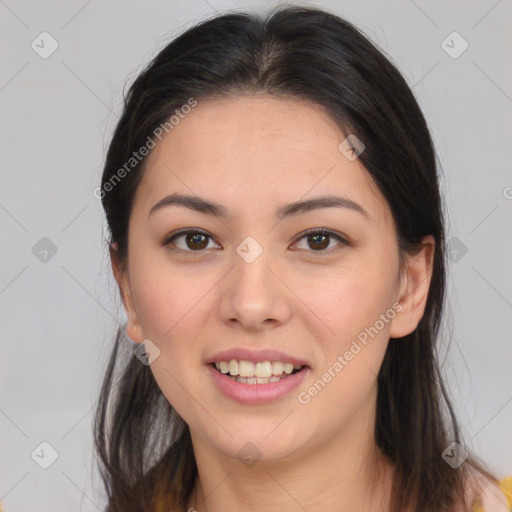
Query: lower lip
[[256, 393]]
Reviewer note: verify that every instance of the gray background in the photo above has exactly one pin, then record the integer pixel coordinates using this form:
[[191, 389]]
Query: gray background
[[59, 311]]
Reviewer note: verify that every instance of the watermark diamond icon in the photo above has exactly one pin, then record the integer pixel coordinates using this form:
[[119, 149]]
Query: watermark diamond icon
[[44, 250], [44, 455], [351, 147], [44, 45], [249, 249], [454, 45], [454, 454], [146, 352], [456, 249], [249, 454]]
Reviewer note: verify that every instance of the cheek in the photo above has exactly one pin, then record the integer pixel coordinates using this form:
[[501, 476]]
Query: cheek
[[165, 298], [170, 312], [350, 302], [350, 359], [357, 306]]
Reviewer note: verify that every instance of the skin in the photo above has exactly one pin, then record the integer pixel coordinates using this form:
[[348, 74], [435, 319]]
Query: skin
[[253, 154]]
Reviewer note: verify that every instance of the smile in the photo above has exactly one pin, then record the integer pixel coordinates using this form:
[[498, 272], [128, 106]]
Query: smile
[[248, 372], [247, 388]]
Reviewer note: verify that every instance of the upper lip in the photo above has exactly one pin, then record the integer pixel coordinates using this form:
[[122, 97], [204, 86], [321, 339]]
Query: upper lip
[[256, 356]]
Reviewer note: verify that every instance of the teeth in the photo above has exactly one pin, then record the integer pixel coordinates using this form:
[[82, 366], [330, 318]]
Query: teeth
[[233, 367], [277, 368], [257, 380], [263, 369], [247, 370]]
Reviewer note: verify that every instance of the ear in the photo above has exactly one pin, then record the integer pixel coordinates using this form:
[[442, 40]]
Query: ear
[[122, 277], [413, 288]]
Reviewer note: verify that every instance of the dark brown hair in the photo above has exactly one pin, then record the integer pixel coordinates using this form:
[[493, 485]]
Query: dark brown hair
[[303, 53]]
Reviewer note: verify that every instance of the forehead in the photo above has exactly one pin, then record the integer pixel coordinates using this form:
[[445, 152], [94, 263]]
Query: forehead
[[256, 149]]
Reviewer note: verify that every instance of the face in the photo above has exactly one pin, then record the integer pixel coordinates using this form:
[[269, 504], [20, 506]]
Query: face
[[247, 278]]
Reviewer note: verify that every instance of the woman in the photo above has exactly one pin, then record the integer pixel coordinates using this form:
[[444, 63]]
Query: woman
[[277, 235]]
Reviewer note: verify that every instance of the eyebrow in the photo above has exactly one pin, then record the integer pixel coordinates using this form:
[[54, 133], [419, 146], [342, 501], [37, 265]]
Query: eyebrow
[[201, 205]]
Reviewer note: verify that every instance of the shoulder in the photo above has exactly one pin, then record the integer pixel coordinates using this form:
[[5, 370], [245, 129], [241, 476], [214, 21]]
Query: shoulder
[[488, 496]]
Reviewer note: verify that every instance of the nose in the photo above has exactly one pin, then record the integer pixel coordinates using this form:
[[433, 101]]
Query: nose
[[253, 294]]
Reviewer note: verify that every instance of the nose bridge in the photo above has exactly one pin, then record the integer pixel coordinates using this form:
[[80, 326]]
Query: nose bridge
[[251, 266], [252, 293]]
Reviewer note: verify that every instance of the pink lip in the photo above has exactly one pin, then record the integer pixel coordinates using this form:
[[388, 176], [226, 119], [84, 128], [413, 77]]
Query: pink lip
[[256, 356], [256, 393]]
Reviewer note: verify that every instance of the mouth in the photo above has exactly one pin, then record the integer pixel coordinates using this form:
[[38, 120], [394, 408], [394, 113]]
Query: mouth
[[264, 372]]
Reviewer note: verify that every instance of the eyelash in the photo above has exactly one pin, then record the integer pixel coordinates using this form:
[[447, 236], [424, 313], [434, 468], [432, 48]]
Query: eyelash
[[315, 231]]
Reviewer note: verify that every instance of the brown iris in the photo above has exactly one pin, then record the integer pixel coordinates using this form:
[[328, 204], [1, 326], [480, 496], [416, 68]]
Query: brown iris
[[316, 237], [194, 238]]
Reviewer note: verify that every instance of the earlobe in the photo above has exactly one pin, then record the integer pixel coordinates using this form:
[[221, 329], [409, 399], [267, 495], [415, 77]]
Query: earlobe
[[133, 329], [413, 290]]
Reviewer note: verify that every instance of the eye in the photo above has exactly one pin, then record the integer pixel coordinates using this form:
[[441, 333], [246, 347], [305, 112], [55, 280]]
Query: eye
[[319, 240], [195, 240]]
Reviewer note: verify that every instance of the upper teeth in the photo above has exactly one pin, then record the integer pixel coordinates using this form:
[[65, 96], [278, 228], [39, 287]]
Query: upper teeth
[[250, 369]]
